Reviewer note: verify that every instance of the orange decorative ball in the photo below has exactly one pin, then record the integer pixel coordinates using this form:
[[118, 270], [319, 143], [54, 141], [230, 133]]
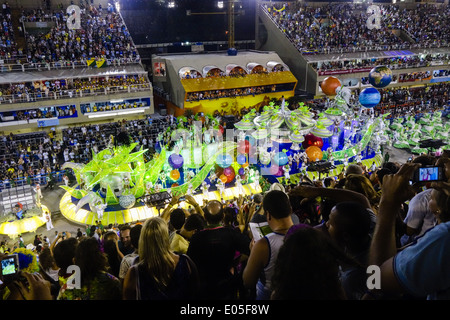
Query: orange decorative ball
[[329, 85], [223, 178], [174, 174], [314, 153]]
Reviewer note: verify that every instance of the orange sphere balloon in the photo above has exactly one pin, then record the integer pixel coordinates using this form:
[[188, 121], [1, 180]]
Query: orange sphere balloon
[[174, 174], [223, 178], [314, 153], [329, 85]]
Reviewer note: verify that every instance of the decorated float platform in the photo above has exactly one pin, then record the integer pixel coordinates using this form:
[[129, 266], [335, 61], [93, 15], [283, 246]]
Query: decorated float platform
[[33, 219], [275, 144], [142, 211]]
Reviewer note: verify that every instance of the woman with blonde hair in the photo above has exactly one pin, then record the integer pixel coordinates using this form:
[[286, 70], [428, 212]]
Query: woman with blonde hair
[[160, 273], [360, 183]]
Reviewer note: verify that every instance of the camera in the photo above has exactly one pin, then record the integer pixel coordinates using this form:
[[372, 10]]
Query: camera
[[428, 174], [10, 268]]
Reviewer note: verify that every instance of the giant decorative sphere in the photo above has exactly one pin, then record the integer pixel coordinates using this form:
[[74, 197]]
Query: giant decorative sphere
[[280, 159], [369, 97], [314, 153], [380, 76], [312, 140], [127, 201], [329, 85], [176, 160]]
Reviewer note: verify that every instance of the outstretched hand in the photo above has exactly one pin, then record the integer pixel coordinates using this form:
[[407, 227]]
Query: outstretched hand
[[191, 200]]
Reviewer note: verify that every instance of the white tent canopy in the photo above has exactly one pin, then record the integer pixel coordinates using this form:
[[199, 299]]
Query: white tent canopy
[[208, 69], [271, 65], [188, 70], [231, 67]]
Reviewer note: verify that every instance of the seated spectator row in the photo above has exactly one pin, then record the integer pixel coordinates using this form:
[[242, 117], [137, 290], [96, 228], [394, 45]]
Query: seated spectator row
[[343, 26], [68, 88], [393, 63], [101, 35]]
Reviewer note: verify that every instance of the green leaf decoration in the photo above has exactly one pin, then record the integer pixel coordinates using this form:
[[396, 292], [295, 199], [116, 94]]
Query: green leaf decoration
[[111, 197]]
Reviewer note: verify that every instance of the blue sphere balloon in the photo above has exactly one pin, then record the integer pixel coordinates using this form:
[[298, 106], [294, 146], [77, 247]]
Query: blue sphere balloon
[[280, 159], [241, 159], [224, 160], [369, 97]]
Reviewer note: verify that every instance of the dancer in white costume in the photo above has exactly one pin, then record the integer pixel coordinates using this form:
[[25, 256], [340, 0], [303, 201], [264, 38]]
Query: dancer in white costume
[[48, 220], [39, 196]]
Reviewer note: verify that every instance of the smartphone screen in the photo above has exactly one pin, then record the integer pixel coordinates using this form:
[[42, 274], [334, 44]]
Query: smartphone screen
[[430, 174], [10, 267]]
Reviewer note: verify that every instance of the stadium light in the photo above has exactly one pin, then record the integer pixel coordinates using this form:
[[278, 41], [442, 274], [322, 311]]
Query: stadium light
[[171, 4], [102, 115], [220, 4]]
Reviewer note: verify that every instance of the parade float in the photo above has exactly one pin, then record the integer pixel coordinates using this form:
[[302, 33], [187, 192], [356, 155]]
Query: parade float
[[22, 219], [201, 158]]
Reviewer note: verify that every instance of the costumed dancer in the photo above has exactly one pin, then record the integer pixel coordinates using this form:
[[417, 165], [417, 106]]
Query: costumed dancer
[[256, 179], [148, 188], [205, 188], [66, 180], [158, 187], [48, 219], [239, 186], [39, 196], [286, 169], [345, 161], [190, 190], [100, 208], [220, 187], [18, 209]]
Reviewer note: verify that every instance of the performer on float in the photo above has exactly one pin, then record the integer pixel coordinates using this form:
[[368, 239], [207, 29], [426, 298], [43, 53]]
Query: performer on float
[[239, 186], [190, 190], [297, 158], [158, 187], [290, 160], [126, 184], [256, 179], [286, 169], [100, 207], [345, 161], [330, 155], [162, 177], [205, 188], [148, 188], [220, 187], [358, 158], [18, 209]]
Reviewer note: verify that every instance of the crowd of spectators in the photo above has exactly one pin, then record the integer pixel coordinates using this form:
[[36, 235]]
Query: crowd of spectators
[[68, 88], [102, 35], [230, 93], [8, 45], [343, 26], [28, 160], [402, 62], [322, 238]]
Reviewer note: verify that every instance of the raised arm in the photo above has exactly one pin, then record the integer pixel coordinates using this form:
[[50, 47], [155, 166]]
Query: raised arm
[[395, 190], [336, 194]]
